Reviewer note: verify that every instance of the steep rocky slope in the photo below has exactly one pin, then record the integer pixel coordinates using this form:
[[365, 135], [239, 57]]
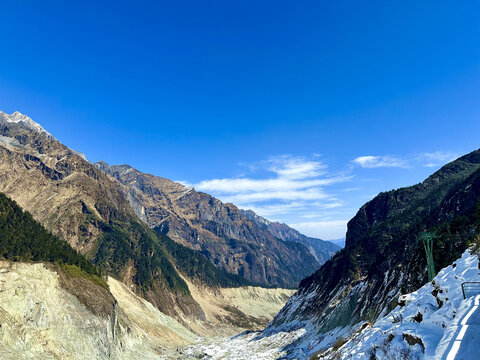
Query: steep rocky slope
[[322, 250], [41, 319], [82, 206], [383, 257], [219, 231]]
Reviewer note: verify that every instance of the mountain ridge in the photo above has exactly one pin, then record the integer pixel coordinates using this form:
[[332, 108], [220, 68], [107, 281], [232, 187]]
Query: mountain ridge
[[219, 231], [83, 207], [322, 250]]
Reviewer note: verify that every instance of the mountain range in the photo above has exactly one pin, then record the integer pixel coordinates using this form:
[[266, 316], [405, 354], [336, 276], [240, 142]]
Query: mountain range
[[124, 221], [229, 237], [320, 249], [151, 263]]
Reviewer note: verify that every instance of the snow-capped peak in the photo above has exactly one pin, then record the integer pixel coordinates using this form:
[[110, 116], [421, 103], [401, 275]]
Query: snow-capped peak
[[19, 118]]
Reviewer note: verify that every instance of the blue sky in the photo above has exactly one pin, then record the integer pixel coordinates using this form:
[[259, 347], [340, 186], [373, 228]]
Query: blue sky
[[301, 110]]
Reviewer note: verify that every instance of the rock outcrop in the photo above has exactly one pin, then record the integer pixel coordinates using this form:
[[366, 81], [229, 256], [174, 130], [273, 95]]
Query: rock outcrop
[[40, 319], [322, 250]]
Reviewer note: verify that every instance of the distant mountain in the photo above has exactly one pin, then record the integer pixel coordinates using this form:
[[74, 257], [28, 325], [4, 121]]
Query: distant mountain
[[383, 257], [320, 249], [219, 231], [339, 242]]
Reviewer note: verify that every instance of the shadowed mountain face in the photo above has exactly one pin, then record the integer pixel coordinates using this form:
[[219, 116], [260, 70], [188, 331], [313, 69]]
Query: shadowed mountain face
[[384, 257], [320, 249], [219, 231]]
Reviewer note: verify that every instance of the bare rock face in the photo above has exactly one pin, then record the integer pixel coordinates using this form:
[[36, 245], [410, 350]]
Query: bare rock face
[[320, 249], [44, 315], [383, 257], [219, 231]]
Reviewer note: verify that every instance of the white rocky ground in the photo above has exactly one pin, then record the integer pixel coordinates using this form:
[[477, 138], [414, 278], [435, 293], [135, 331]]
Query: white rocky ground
[[41, 320], [425, 325], [225, 307]]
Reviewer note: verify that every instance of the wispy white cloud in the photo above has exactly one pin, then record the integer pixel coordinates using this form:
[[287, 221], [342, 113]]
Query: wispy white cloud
[[287, 167], [286, 185], [302, 209], [433, 159], [278, 184], [370, 161], [276, 209]]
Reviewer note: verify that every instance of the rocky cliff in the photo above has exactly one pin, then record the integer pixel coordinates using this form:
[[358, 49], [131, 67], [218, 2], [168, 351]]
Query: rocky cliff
[[383, 257], [219, 231], [41, 319], [322, 250]]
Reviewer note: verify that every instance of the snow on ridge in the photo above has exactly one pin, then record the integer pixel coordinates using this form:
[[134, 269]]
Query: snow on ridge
[[19, 118]]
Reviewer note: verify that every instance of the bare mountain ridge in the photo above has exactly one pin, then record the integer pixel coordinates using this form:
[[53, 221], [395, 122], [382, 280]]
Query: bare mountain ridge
[[219, 231], [322, 250]]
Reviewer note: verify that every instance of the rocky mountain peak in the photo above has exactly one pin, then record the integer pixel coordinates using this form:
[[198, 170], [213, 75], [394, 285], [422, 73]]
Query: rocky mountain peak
[[22, 119]]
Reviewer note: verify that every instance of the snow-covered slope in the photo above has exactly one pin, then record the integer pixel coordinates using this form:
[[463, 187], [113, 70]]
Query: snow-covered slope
[[19, 118], [424, 325]]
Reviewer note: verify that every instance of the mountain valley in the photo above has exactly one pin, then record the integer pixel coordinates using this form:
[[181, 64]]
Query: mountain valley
[[138, 266]]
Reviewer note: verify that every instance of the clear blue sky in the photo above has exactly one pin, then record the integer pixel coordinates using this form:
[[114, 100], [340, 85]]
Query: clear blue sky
[[239, 97]]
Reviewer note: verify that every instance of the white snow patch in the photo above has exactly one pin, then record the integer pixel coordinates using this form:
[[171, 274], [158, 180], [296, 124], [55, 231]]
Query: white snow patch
[[19, 118]]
